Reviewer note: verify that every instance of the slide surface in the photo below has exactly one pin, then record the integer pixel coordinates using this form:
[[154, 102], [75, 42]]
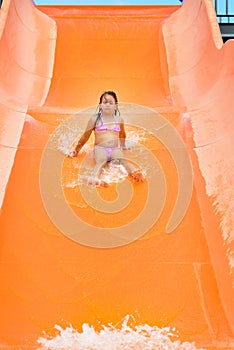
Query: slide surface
[[73, 256]]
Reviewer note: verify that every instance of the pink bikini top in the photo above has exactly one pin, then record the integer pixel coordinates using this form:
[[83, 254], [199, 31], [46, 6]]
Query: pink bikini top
[[103, 127]]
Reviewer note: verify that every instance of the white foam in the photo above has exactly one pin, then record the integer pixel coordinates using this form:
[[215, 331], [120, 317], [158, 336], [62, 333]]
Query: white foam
[[140, 337]]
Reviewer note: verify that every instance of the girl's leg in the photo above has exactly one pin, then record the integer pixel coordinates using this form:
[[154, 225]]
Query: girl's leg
[[134, 172], [100, 157]]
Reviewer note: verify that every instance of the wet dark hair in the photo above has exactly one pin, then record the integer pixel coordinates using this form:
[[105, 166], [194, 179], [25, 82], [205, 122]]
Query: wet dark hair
[[111, 93], [103, 95]]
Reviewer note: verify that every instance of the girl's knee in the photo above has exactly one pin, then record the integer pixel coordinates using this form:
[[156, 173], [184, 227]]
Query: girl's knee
[[117, 155], [101, 161], [100, 156]]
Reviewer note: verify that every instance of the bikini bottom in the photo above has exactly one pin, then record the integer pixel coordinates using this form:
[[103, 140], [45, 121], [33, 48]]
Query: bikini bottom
[[108, 150]]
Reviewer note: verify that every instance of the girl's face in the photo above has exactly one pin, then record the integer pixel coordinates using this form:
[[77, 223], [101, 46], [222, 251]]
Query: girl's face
[[108, 104]]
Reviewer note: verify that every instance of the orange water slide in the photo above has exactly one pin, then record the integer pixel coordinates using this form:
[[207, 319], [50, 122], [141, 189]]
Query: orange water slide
[[165, 62]]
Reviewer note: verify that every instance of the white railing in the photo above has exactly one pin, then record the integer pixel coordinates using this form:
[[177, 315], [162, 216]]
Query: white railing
[[224, 10]]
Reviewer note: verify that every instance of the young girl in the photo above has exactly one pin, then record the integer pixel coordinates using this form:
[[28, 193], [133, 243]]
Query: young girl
[[108, 127]]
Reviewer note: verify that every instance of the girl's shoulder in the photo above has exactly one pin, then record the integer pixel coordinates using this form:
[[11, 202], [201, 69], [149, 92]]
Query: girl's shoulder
[[119, 119], [91, 122], [92, 119]]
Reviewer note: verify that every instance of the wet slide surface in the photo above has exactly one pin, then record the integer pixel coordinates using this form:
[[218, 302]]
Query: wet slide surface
[[54, 65]]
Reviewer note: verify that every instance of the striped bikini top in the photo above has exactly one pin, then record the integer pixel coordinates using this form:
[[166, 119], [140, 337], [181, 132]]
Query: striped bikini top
[[103, 127]]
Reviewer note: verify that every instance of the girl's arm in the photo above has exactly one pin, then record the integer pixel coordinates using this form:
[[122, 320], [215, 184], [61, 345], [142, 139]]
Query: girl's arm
[[122, 135], [84, 138]]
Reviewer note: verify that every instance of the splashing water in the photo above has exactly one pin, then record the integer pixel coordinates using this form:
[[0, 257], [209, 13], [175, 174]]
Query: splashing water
[[114, 172], [141, 337], [66, 136]]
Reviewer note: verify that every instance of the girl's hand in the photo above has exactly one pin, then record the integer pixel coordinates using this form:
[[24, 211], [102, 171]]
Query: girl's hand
[[126, 148], [72, 154]]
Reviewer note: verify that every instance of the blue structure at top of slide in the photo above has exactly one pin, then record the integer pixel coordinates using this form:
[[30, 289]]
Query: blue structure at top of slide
[[107, 2]]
